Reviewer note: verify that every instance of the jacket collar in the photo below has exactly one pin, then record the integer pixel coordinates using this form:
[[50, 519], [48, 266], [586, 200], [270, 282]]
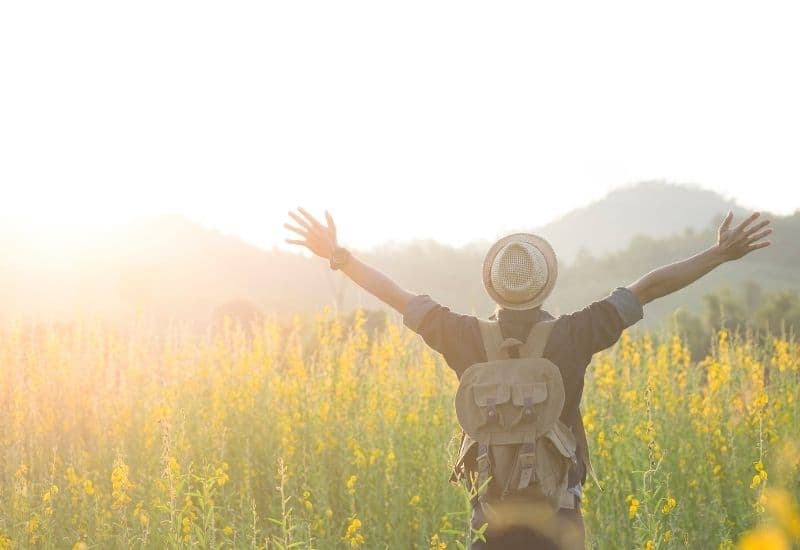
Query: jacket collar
[[533, 315]]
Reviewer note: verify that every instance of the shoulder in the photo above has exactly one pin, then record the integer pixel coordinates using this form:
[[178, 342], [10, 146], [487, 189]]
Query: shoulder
[[620, 307], [456, 336], [422, 310], [596, 326]]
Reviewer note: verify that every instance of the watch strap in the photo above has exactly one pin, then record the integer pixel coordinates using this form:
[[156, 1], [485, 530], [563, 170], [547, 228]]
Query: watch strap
[[339, 257]]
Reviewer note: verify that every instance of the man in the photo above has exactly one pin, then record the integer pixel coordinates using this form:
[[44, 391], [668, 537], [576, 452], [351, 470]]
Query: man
[[519, 272]]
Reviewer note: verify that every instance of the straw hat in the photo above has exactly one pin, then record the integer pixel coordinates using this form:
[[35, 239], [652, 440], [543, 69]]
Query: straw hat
[[519, 271]]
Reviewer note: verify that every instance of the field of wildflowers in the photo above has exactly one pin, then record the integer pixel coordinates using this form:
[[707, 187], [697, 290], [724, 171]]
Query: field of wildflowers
[[318, 435]]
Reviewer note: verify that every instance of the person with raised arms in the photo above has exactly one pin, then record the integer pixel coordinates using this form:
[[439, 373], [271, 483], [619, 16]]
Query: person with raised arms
[[524, 453]]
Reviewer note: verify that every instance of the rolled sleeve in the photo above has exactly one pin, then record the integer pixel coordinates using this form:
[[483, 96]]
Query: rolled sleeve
[[416, 310], [627, 305]]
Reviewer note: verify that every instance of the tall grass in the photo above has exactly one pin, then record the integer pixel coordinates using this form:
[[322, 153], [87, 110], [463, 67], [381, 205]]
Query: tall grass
[[317, 435]]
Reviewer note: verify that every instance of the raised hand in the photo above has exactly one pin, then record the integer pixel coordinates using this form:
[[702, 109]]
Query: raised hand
[[318, 238], [734, 243]]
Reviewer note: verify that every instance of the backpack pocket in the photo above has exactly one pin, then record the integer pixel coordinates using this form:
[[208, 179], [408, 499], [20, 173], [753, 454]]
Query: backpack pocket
[[554, 457], [489, 398], [526, 397]]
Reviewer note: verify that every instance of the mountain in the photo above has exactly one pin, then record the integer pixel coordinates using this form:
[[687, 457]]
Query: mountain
[[170, 268], [653, 209], [452, 276], [166, 266]]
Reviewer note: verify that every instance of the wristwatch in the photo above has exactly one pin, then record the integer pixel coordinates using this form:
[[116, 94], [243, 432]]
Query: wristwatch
[[339, 257]]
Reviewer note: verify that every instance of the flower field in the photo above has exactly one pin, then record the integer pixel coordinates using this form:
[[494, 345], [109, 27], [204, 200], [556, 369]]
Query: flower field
[[318, 435]]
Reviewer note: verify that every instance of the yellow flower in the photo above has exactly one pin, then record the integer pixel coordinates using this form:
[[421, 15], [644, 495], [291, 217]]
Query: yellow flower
[[32, 525], [228, 530], [437, 544], [351, 485], [783, 509], [353, 536], [633, 506], [414, 500], [764, 538], [221, 474], [173, 466], [120, 484], [50, 493]]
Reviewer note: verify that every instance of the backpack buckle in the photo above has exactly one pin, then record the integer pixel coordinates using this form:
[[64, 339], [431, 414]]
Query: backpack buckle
[[491, 408], [527, 412], [510, 343]]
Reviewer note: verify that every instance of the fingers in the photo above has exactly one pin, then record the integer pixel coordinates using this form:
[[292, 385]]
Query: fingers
[[756, 246], [331, 225], [311, 225], [293, 241], [299, 220], [758, 236], [297, 230], [756, 227], [750, 219], [310, 218], [726, 223], [329, 219]]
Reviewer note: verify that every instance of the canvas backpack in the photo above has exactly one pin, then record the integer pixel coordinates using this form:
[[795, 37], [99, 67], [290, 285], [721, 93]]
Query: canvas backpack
[[509, 409]]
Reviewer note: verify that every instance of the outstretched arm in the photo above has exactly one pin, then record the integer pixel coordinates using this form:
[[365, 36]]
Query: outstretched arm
[[321, 240], [732, 244]]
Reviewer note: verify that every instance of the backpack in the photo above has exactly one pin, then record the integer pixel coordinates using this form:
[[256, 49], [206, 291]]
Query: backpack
[[512, 438]]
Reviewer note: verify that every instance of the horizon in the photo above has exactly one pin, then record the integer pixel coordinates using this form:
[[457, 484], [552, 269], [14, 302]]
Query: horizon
[[73, 235]]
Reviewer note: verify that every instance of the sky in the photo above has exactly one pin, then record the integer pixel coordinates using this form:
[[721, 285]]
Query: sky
[[447, 120]]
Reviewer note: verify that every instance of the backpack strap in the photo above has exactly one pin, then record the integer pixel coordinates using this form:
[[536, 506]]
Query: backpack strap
[[484, 465], [527, 461], [493, 340], [497, 347], [537, 339]]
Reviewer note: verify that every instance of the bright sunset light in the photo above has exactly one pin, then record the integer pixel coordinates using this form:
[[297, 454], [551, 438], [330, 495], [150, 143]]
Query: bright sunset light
[[467, 118], [415, 275]]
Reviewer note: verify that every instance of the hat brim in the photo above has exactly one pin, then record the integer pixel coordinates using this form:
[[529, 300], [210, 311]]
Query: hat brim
[[552, 270]]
